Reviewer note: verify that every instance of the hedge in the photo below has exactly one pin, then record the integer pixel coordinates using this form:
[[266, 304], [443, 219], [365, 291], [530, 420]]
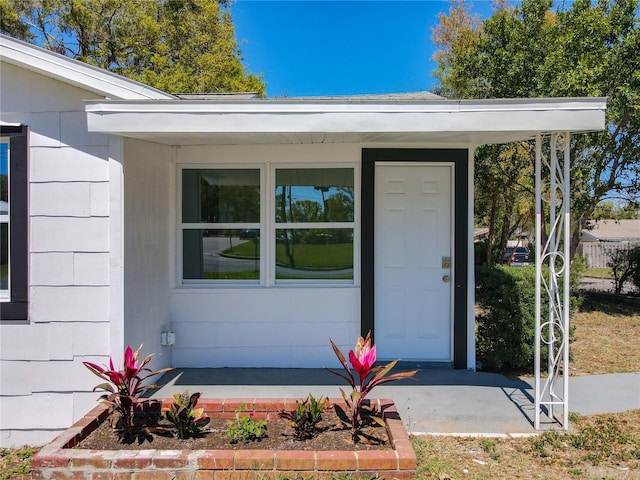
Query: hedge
[[505, 332]]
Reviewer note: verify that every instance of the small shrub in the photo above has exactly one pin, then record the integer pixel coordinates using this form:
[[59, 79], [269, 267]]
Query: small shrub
[[124, 387], [246, 429], [304, 419], [505, 335], [369, 377], [187, 420], [624, 263]]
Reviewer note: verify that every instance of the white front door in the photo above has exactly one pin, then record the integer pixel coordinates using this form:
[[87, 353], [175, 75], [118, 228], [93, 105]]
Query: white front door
[[413, 261]]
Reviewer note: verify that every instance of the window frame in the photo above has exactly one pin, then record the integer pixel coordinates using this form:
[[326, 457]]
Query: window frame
[[15, 305], [268, 227], [182, 226]]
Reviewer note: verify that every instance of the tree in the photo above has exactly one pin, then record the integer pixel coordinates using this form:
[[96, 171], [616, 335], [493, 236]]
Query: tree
[[608, 210], [179, 46], [589, 49], [624, 263], [11, 19]]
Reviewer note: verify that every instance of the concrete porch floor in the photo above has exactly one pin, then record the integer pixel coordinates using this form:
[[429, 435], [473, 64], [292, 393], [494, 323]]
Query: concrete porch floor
[[438, 401]]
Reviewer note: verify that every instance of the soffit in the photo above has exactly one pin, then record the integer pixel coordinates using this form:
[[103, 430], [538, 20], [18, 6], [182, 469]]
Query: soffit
[[343, 121]]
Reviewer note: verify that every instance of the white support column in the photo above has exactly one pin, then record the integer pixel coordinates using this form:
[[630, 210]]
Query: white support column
[[539, 223], [552, 280]]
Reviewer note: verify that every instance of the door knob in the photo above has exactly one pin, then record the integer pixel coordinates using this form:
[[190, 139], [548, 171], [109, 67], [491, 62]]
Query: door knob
[[446, 279]]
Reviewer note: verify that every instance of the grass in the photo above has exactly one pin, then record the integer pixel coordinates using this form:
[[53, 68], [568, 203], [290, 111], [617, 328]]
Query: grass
[[335, 256], [599, 446], [248, 250], [606, 338], [15, 463], [253, 275], [599, 272]]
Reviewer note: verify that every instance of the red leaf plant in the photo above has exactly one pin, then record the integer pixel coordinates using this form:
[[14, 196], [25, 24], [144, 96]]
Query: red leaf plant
[[362, 360], [124, 387]]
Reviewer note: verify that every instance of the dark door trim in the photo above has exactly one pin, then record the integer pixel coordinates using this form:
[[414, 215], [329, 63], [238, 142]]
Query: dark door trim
[[460, 158]]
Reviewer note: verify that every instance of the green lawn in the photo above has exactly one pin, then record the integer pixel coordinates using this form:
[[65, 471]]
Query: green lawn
[[248, 250], [255, 275], [599, 272], [335, 256]]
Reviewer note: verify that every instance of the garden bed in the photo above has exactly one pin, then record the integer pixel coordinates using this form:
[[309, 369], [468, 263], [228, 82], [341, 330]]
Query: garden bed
[[65, 456]]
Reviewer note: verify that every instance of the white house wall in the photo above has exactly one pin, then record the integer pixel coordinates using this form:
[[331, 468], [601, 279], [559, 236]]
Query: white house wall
[[148, 170], [43, 385], [276, 326]]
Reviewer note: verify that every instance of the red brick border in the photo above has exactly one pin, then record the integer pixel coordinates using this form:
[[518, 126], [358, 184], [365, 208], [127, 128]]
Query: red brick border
[[59, 459]]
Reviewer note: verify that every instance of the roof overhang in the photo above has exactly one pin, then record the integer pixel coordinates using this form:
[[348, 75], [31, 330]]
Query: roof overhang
[[74, 72], [282, 121]]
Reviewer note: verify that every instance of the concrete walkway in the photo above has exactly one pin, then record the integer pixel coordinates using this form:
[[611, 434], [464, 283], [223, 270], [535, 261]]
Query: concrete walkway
[[438, 400]]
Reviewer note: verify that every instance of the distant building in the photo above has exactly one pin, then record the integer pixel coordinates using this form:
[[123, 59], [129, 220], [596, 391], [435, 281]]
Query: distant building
[[603, 236], [612, 231]]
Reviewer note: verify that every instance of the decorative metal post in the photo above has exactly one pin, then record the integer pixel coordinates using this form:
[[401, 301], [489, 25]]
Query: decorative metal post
[[552, 278]]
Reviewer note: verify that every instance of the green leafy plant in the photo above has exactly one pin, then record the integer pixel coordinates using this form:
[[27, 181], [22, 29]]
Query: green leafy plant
[[624, 263], [505, 336], [15, 462], [305, 418], [369, 377], [246, 429], [124, 386], [188, 421], [488, 446]]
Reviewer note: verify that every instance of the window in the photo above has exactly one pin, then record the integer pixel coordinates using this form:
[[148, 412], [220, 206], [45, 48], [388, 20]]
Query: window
[[221, 224], [13, 223], [234, 232], [314, 215]]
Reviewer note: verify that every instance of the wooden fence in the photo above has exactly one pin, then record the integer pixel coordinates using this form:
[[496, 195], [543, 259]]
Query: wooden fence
[[598, 254]]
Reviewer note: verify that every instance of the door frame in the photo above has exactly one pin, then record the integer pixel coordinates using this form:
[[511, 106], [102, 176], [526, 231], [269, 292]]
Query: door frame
[[459, 158]]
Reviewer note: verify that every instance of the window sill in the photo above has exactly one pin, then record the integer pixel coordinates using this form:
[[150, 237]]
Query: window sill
[[201, 287]]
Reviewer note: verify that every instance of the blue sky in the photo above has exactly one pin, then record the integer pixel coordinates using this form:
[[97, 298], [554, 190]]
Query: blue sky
[[340, 47]]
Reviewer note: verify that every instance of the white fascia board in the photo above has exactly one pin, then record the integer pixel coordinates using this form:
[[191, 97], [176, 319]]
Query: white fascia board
[[74, 72], [543, 115]]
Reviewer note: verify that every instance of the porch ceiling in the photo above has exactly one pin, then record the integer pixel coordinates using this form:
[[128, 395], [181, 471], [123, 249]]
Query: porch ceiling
[[282, 121]]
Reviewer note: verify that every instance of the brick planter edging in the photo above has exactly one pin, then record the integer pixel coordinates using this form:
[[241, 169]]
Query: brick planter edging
[[59, 460]]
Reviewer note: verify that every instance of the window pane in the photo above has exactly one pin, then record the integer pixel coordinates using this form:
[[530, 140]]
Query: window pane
[[221, 254], [314, 254], [221, 196], [314, 195]]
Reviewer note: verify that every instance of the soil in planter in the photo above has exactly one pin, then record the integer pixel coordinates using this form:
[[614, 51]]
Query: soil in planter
[[334, 436]]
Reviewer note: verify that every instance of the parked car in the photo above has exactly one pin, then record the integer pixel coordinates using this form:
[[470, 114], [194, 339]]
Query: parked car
[[248, 233], [517, 256]]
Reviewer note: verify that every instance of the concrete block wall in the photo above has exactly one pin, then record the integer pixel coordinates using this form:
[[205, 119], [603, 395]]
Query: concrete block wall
[[43, 385]]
